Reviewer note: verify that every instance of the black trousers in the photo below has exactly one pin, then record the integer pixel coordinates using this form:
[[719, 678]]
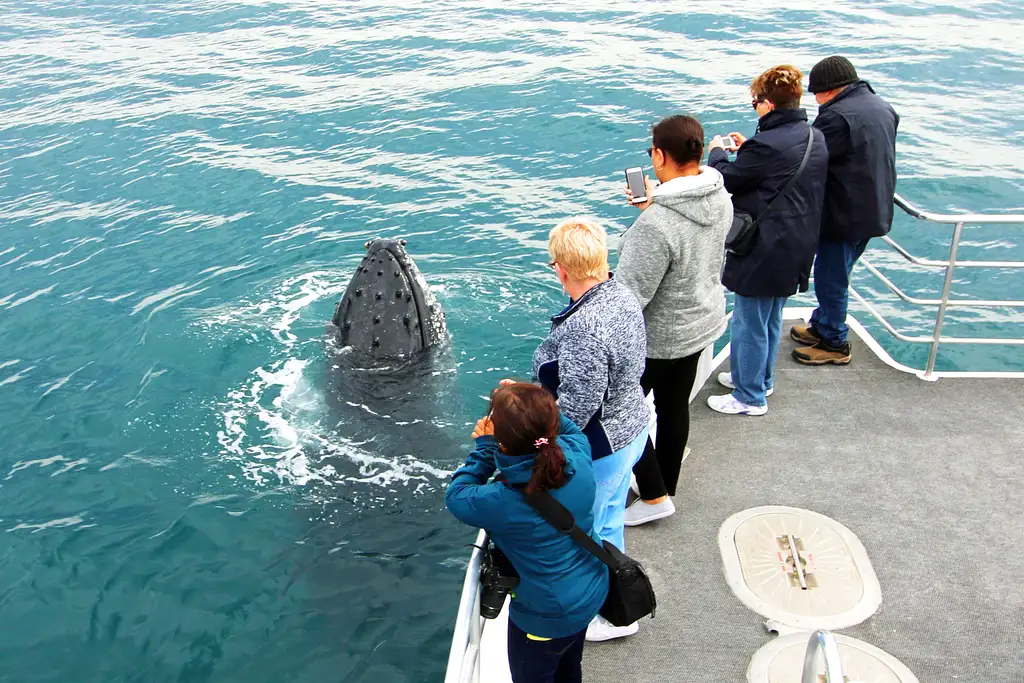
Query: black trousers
[[671, 380], [559, 660]]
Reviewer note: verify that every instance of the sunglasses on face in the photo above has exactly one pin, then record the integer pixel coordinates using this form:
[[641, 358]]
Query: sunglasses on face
[[650, 152], [756, 101]]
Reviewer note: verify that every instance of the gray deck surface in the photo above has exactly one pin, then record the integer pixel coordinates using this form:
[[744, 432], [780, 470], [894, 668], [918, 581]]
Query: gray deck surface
[[930, 476]]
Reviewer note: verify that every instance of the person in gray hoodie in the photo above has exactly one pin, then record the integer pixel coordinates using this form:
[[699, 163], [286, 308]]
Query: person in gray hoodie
[[671, 259]]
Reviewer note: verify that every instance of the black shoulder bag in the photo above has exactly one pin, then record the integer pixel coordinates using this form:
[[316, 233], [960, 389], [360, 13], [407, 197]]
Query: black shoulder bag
[[630, 595], [743, 233]]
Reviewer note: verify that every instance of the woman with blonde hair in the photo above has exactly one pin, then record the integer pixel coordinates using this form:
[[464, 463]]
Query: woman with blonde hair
[[592, 361], [778, 179]]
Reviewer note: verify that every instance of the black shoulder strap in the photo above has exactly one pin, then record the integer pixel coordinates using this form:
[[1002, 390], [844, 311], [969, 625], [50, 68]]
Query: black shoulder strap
[[796, 176], [559, 517]]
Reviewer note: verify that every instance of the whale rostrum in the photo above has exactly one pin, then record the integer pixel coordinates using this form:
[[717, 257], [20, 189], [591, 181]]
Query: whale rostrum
[[388, 310]]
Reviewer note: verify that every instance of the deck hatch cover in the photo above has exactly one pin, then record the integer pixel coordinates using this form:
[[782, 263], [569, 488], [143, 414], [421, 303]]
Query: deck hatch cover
[[798, 569], [782, 661]]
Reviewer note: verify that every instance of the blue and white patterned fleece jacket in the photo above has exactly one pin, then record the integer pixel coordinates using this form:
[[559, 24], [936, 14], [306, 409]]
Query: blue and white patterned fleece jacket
[[592, 360]]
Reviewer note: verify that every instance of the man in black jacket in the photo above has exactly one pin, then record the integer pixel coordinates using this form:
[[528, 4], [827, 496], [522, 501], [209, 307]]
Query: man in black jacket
[[860, 131]]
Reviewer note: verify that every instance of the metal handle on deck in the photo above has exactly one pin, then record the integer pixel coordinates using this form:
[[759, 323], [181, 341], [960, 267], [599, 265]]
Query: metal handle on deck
[[825, 643]]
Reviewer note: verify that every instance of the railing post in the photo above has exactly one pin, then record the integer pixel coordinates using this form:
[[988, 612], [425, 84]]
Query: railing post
[[476, 628], [954, 246], [824, 642]]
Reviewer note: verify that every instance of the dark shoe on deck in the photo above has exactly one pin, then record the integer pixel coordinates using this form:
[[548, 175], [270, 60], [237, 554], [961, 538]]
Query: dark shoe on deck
[[823, 354], [804, 334]]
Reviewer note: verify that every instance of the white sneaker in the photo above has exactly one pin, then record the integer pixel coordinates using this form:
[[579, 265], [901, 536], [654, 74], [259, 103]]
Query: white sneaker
[[640, 512], [730, 406], [725, 379], [601, 629]]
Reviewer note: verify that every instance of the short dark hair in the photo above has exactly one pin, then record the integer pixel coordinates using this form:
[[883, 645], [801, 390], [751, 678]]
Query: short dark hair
[[781, 85], [681, 137]]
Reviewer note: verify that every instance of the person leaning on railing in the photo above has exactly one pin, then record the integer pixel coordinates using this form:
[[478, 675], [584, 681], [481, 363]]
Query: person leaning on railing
[[860, 131], [561, 584], [592, 360], [779, 263]]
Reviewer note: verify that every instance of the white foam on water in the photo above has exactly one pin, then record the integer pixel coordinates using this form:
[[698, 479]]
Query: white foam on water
[[52, 524], [58, 383], [43, 462], [16, 377], [134, 456], [28, 297], [281, 309], [274, 427]]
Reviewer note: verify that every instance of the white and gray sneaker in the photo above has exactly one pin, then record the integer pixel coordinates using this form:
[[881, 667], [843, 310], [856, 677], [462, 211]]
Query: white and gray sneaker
[[730, 406], [600, 629], [640, 512], [725, 379]]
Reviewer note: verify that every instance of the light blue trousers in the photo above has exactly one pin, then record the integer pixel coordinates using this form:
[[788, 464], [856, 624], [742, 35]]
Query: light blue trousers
[[612, 475]]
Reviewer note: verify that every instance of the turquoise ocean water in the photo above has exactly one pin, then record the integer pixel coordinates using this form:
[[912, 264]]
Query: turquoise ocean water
[[185, 188]]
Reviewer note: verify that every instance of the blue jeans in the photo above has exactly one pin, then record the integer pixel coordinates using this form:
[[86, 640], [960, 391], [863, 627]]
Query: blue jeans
[[558, 660], [832, 267], [612, 476], [756, 329]]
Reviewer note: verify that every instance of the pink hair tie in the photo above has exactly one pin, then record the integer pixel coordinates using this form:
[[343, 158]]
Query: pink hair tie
[[540, 442]]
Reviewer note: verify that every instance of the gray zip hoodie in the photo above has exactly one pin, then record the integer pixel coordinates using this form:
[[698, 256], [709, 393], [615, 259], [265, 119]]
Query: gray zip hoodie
[[671, 259]]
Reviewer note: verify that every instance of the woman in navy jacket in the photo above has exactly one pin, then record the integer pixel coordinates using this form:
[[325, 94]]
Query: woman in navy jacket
[[561, 585], [779, 264]]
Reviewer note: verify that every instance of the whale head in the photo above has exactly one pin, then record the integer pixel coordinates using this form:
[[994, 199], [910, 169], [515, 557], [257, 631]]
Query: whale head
[[388, 310]]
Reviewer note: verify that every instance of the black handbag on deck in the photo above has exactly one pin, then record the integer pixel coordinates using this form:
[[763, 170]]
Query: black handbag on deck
[[630, 595], [743, 233]]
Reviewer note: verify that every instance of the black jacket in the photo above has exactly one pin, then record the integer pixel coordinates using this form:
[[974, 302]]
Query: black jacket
[[780, 262], [860, 129]]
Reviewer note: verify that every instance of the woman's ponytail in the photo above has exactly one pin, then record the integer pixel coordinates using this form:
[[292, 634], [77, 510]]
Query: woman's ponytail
[[548, 468]]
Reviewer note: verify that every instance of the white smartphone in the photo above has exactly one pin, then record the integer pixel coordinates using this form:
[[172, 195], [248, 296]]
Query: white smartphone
[[728, 141], [635, 183]]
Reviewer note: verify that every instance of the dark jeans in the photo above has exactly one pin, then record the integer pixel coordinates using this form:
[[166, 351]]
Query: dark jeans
[[832, 267], [671, 380], [559, 660]]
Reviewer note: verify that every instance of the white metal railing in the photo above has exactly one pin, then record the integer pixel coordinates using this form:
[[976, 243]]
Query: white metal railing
[[464, 656], [824, 643], [943, 302]]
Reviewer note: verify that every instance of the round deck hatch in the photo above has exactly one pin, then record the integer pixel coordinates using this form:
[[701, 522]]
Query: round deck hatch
[[782, 661], [798, 569]]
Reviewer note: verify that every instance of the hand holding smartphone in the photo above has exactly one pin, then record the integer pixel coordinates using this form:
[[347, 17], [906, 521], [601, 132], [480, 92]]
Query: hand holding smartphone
[[728, 142], [636, 184]]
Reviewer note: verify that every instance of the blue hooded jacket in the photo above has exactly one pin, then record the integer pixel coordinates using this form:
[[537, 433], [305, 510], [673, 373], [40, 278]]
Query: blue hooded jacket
[[561, 585]]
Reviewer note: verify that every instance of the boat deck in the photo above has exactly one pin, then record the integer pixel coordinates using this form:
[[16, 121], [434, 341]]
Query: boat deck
[[930, 476]]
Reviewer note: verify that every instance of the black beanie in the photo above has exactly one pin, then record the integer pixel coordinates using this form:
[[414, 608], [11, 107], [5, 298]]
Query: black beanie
[[830, 73]]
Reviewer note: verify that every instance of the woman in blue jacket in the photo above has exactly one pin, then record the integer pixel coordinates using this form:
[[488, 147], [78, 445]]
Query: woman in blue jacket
[[779, 264], [561, 585]]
